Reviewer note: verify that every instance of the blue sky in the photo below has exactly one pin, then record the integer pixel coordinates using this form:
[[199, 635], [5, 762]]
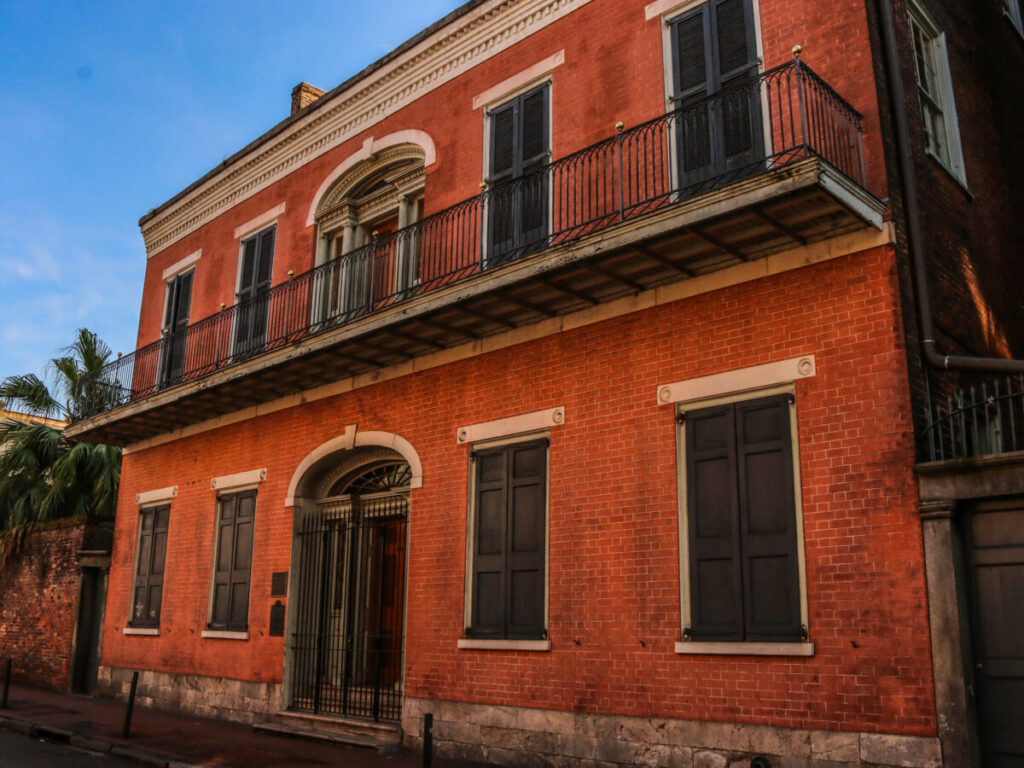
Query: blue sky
[[110, 107]]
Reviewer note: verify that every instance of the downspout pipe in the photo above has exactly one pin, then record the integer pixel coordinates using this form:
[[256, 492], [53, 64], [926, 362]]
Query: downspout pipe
[[912, 212]]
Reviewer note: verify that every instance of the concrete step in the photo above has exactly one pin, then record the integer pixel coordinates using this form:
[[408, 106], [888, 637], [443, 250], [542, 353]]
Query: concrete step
[[352, 732]]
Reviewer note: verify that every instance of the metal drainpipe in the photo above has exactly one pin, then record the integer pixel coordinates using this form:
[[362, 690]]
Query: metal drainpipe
[[912, 211]]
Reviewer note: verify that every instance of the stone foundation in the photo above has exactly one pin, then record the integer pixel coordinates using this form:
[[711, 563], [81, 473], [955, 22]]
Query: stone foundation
[[237, 700], [522, 737]]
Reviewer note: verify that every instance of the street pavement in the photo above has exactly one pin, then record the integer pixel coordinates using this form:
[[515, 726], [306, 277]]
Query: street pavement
[[171, 740], [19, 750]]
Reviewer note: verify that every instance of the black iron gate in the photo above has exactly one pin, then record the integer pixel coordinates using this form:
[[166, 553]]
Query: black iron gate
[[347, 644]]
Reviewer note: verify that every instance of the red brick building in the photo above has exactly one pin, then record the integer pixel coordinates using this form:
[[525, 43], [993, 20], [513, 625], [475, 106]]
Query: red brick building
[[559, 375]]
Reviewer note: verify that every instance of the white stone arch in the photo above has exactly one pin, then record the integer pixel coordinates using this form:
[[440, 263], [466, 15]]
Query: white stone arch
[[351, 439], [370, 148]]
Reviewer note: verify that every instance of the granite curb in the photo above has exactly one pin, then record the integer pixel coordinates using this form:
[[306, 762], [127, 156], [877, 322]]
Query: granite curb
[[94, 744]]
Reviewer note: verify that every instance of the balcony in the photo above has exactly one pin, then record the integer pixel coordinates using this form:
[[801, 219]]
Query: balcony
[[771, 164], [984, 419]]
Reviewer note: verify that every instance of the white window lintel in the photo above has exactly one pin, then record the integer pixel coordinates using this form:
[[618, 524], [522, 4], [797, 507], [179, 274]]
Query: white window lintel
[[265, 219], [160, 494], [666, 7], [182, 266], [239, 480], [518, 82], [513, 425], [741, 380]]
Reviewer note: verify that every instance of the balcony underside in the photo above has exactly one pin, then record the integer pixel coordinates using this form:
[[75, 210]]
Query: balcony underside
[[799, 204]]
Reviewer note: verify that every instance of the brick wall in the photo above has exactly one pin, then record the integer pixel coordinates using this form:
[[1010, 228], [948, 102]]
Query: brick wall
[[614, 543], [39, 604]]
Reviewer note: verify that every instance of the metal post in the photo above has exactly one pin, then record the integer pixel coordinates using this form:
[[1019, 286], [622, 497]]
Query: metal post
[[131, 705], [7, 683], [618, 143], [428, 739], [797, 50]]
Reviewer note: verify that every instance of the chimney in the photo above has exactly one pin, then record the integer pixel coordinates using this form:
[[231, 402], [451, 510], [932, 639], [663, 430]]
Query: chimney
[[303, 94]]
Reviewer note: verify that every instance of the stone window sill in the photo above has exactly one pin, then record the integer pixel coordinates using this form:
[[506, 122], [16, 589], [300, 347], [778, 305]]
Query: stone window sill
[[478, 644], [687, 647], [218, 634], [150, 631]]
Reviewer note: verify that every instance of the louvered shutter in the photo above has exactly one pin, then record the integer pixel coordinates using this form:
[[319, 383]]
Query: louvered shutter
[[712, 504], [253, 291], [502, 200], [527, 492], [739, 107], [241, 561], [176, 322], [149, 567], [246, 290], [691, 54], [489, 544], [535, 157], [768, 520]]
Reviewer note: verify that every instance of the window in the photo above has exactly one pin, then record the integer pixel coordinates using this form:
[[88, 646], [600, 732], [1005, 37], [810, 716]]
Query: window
[[1015, 11], [520, 150], [508, 541], [150, 553], [715, 90], [253, 295], [172, 355], [741, 522], [229, 609], [935, 92]]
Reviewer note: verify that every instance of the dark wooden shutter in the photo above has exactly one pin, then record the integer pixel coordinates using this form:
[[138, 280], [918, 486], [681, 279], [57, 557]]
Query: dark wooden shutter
[[533, 225], [509, 541], [691, 52], [712, 503], [527, 494], [503, 171], [149, 566], [233, 561], [179, 298], [768, 520], [490, 536], [739, 107], [253, 291]]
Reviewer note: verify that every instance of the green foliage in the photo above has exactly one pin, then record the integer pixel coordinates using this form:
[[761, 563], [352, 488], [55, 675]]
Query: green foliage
[[43, 474]]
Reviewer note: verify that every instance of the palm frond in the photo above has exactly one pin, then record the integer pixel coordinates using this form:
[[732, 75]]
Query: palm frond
[[28, 393], [89, 350]]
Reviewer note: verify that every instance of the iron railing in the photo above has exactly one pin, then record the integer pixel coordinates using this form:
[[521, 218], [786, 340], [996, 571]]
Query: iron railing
[[979, 420], [779, 117]]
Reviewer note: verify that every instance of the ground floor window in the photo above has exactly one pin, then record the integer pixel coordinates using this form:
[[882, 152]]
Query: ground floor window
[[741, 521], [508, 541], [150, 553], [229, 604]]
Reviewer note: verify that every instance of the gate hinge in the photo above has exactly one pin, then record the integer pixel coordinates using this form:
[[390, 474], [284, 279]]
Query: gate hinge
[[804, 634], [680, 418]]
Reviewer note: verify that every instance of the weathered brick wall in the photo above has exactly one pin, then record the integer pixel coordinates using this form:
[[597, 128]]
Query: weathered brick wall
[[39, 604], [614, 531]]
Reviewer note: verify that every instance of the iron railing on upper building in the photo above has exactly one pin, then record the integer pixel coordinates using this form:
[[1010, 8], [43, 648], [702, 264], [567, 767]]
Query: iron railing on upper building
[[777, 118], [979, 420]]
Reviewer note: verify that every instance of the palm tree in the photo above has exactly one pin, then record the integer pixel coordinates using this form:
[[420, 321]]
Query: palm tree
[[43, 474]]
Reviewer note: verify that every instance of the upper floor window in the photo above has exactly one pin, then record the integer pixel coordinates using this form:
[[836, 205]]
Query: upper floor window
[[253, 296], [715, 91], [935, 92], [176, 311], [519, 136]]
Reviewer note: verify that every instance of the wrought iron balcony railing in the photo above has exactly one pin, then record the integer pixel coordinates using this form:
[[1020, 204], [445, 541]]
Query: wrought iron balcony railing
[[780, 117], [980, 420]]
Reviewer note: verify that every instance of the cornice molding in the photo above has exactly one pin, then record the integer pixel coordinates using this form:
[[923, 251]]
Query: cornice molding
[[443, 56]]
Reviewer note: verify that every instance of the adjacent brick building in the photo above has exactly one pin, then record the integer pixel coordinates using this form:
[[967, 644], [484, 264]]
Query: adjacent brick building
[[558, 375]]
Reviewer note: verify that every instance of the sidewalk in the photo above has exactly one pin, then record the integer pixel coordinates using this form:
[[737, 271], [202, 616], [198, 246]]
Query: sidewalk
[[173, 740]]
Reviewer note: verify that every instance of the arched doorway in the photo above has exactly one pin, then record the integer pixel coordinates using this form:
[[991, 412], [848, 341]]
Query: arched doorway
[[350, 536]]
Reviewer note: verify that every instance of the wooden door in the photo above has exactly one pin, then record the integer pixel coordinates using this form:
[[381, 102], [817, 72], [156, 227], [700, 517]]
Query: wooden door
[[995, 541]]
